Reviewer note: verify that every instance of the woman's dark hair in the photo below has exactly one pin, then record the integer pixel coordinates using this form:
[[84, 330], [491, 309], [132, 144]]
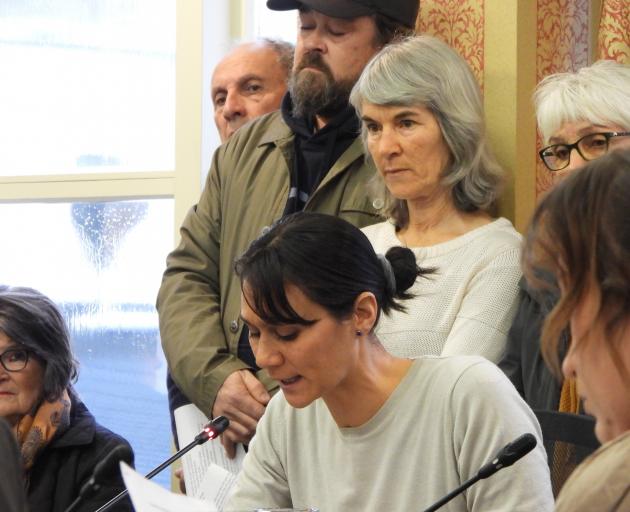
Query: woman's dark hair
[[32, 320], [580, 233], [329, 260]]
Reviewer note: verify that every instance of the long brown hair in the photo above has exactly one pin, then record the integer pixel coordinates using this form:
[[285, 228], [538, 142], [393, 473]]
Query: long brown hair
[[580, 234]]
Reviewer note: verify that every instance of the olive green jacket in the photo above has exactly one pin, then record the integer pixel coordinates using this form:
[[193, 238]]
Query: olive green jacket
[[246, 190]]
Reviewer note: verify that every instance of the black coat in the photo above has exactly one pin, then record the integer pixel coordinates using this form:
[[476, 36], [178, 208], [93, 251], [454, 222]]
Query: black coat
[[12, 497], [67, 463], [522, 361]]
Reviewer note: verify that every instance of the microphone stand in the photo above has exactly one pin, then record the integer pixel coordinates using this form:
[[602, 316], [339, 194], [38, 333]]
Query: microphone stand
[[507, 456], [454, 493], [101, 470], [212, 430]]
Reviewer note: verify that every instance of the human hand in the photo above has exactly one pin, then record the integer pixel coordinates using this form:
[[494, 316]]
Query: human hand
[[179, 474], [242, 399]]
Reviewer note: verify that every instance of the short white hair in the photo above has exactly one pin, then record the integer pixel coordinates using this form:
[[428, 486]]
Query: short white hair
[[598, 94]]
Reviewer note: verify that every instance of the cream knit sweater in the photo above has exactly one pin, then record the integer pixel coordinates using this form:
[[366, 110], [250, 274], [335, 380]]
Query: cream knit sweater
[[467, 306]]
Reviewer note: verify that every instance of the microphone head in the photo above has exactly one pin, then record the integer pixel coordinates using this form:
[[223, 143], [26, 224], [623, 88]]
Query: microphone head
[[105, 469], [213, 429], [110, 463], [508, 455], [220, 425], [518, 448]]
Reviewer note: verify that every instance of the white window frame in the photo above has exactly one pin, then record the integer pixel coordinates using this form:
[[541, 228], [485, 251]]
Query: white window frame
[[197, 50]]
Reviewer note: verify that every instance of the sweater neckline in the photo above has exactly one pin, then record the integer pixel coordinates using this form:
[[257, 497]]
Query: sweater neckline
[[387, 412], [445, 247]]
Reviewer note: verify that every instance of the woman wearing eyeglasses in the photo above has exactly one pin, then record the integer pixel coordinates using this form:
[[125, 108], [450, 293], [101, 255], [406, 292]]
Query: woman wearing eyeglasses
[[60, 441], [581, 116], [580, 234]]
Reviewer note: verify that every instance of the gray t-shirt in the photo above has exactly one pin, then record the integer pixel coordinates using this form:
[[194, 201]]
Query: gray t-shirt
[[447, 418]]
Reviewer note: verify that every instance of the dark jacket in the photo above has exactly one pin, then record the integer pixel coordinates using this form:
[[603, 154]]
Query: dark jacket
[[12, 498], [67, 463], [523, 362]]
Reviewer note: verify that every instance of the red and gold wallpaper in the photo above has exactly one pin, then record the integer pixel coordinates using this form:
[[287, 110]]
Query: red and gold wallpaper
[[613, 38], [460, 24], [562, 45], [562, 38]]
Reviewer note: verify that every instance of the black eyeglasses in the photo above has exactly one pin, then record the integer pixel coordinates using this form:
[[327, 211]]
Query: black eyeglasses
[[557, 156], [14, 359]]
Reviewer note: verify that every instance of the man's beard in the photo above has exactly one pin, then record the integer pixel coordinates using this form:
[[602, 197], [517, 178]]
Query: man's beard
[[317, 93]]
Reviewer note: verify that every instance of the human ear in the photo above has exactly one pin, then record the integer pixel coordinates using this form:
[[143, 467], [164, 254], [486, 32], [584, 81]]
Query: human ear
[[364, 312]]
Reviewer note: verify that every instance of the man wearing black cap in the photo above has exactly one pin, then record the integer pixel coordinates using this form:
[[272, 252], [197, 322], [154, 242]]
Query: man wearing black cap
[[307, 156]]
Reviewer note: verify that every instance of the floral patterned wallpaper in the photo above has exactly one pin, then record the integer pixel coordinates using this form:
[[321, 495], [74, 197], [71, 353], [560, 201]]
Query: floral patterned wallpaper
[[458, 23], [562, 38], [613, 40], [562, 45]]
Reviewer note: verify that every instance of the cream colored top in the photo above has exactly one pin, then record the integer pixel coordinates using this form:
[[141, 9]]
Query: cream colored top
[[467, 306]]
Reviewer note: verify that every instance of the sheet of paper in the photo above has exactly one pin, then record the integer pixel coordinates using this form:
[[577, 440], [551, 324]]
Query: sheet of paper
[[216, 486], [148, 496], [189, 421]]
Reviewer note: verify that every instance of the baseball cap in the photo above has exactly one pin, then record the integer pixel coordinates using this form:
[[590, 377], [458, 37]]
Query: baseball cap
[[402, 11]]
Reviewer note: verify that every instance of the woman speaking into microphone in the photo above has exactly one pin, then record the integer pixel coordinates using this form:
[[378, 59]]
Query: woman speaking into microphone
[[356, 428]]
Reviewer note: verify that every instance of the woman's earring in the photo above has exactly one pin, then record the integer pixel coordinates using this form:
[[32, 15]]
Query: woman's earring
[[358, 333]]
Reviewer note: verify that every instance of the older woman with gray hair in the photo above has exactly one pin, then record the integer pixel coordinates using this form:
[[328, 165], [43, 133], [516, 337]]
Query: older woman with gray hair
[[423, 126], [59, 440]]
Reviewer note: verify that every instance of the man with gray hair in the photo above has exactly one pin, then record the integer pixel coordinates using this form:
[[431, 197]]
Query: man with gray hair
[[306, 157], [248, 82]]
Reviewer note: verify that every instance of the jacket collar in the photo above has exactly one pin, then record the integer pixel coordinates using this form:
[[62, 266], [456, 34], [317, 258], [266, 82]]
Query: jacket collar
[[279, 134], [82, 427], [349, 156]]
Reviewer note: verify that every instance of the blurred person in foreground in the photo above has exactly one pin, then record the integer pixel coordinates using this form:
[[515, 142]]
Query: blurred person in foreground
[[356, 428], [248, 82], [423, 125], [581, 116], [59, 440], [580, 234], [12, 497], [308, 156]]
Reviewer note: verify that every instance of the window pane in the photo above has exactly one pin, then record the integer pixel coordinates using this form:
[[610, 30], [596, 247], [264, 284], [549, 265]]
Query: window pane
[[274, 24], [86, 86], [102, 264]]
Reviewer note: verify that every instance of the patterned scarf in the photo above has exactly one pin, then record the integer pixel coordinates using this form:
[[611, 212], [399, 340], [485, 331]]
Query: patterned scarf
[[36, 429]]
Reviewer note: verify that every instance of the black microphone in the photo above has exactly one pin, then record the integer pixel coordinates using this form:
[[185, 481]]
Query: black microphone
[[102, 470], [510, 453], [507, 456], [211, 431]]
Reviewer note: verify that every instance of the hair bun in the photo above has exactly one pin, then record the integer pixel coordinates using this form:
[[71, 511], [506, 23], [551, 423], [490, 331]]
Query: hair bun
[[404, 266]]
